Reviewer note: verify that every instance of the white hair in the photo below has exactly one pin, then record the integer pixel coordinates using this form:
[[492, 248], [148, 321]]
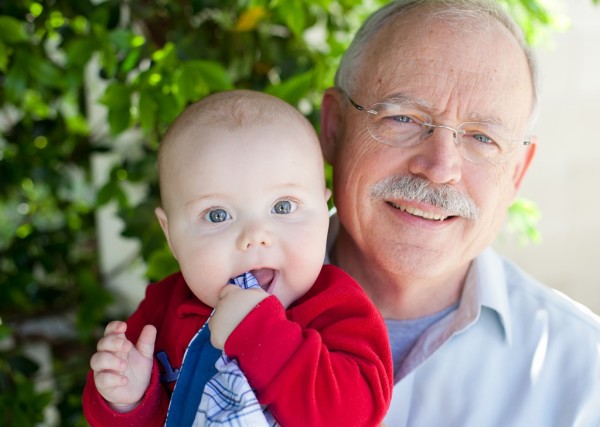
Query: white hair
[[454, 12]]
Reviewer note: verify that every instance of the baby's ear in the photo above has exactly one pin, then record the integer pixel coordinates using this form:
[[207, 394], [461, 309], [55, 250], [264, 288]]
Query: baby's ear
[[327, 194], [163, 220]]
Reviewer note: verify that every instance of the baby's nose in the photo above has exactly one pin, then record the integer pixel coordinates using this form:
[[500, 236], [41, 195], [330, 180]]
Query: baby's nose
[[254, 235]]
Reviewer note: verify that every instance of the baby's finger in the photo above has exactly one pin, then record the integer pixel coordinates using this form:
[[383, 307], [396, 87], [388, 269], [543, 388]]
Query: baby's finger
[[228, 290], [114, 343], [115, 327], [104, 361], [106, 380], [145, 344]]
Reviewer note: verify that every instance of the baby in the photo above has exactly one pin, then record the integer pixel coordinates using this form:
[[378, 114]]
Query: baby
[[243, 190]]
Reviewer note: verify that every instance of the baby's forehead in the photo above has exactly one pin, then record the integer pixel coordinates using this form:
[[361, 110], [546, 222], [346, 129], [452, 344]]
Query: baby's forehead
[[224, 120], [269, 138]]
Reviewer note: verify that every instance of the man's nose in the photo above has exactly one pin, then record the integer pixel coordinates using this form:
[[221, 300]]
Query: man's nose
[[437, 157], [253, 235]]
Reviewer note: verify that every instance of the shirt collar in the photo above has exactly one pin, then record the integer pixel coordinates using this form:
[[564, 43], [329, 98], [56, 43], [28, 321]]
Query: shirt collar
[[488, 276]]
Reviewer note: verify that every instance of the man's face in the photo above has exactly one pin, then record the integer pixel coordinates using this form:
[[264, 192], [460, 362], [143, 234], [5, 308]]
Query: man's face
[[250, 199], [455, 77]]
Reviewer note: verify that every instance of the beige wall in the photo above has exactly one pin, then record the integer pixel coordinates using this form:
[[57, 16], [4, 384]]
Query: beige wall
[[565, 175]]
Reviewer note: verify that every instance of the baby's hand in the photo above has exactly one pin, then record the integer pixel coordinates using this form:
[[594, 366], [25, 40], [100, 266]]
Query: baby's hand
[[234, 304], [122, 371]]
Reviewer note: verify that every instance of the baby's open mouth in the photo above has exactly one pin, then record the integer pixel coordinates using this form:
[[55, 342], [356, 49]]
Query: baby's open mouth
[[264, 276]]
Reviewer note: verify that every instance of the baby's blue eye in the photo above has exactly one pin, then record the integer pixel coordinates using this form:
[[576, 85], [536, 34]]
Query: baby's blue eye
[[217, 215], [283, 207]]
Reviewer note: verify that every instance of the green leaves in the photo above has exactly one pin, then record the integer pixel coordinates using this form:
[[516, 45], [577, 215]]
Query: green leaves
[[295, 88], [161, 263], [536, 18], [294, 15], [12, 30], [210, 75], [21, 404], [117, 98], [523, 219]]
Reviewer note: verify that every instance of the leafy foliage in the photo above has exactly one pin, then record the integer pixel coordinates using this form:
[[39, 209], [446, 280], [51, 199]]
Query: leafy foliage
[[89, 79], [522, 220]]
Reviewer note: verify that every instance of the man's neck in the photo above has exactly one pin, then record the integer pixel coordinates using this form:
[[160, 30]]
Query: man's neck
[[398, 293]]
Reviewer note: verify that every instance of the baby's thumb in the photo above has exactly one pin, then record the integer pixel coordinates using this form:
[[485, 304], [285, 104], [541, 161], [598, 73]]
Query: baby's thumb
[[145, 343]]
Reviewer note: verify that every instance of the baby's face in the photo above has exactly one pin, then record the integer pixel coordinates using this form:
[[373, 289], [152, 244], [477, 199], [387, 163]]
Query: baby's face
[[250, 199]]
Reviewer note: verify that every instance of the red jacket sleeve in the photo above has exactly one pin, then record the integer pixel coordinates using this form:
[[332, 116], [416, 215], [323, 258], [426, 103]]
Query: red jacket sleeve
[[177, 314], [324, 362], [99, 414]]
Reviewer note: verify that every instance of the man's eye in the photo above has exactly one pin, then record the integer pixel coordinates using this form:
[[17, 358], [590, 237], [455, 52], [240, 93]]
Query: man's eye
[[401, 119], [483, 138], [217, 215], [284, 207]]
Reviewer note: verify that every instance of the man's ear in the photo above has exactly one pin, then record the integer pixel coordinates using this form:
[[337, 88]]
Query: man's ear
[[331, 122], [163, 220], [523, 164]]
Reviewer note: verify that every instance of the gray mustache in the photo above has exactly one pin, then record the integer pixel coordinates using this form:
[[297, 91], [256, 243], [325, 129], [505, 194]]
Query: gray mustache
[[416, 189]]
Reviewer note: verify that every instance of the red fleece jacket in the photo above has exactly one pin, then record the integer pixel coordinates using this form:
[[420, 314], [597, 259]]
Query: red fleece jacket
[[325, 361]]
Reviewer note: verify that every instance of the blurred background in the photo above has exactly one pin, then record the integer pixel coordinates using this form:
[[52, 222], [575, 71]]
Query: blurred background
[[89, 87]]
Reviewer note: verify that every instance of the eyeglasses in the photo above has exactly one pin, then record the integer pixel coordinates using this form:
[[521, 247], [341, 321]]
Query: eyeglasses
[[404, 126]]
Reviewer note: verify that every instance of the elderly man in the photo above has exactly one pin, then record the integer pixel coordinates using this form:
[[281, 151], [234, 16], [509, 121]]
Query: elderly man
[[428, 132]]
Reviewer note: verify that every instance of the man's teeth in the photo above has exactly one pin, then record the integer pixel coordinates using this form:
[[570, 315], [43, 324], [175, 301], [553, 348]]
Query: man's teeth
[[420, 213]]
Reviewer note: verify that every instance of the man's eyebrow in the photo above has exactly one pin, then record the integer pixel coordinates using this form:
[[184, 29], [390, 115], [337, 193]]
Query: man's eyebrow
[[484, 118], [408, 101]]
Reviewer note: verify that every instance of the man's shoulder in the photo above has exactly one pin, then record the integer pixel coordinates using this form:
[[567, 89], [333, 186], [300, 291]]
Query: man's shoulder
[[529, 297]]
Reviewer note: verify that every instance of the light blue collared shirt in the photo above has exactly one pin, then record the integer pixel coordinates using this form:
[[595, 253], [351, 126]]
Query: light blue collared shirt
[[514, 353]]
